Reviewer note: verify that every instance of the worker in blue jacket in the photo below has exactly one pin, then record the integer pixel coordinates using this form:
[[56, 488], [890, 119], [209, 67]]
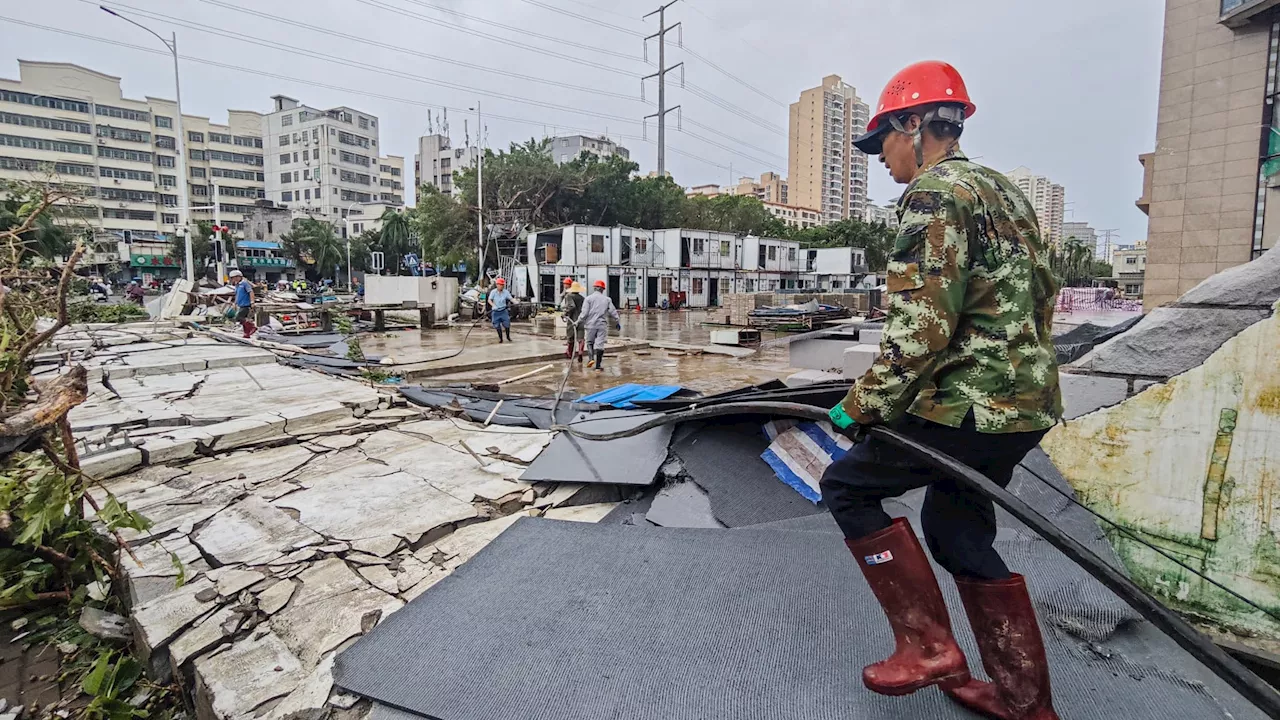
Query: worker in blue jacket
[[500, 305]]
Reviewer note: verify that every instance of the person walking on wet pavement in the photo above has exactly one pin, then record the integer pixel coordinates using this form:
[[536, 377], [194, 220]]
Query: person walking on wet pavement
[[571, 309], [967, 367], [244, 302], [596, 311], [500, 308]]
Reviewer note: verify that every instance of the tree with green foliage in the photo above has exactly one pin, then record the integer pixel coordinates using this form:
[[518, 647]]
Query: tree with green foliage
[[743, 214], [46, 239], [445, 228], [1072, 261], [315, 247], [395, 240], [876, 238], [201, 246]]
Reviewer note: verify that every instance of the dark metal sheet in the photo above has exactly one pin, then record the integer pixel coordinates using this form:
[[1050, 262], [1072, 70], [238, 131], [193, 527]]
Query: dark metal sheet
[[576, 621], [626, 461]]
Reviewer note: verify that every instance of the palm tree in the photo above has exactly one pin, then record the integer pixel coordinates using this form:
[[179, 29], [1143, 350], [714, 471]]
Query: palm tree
[[313, 242], [396, 239]]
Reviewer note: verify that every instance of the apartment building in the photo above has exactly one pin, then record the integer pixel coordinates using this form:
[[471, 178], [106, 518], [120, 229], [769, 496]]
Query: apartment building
[[771, 188], [390, 180], [1084, 233], [1047, 198], [320, 163], [568, 147], [1129, 269], [1211, 184], [709, 190], [796, 217], [437, 162], [884, 214], [73, 125], [824, 169]]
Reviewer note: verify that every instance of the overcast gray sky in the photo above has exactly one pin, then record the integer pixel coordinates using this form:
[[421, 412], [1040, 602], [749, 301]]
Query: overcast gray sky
[[1067, 89]]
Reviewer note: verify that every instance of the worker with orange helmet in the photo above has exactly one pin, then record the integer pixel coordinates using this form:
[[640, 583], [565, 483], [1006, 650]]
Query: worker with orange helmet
[[500, 304], [596, 311], [571, 309], [967, 366]]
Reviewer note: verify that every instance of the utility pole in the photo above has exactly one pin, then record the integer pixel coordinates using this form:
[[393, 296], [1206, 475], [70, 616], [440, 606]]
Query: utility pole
[[220, 254], [479, 195], [661, 75], [1106, 239]]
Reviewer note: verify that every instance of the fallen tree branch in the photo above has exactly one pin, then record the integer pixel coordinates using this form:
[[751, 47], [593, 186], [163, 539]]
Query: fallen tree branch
[[56, 398], [64, 284]]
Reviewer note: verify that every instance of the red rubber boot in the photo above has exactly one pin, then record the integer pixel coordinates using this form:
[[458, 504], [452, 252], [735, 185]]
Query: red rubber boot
[[1012, 648], [900, 576]]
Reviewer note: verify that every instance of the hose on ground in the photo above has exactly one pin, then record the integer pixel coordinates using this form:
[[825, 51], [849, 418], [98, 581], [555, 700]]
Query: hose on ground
[[1202, 648]]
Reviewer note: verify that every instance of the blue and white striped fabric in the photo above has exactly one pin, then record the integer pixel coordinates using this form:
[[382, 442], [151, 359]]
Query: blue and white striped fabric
[[800, 452]]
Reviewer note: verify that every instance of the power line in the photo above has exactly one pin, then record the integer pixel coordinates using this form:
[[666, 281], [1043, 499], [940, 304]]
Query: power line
[[735, 78], [338, 88], [521, 31], [241, 37], [346, 36], [584, 18]]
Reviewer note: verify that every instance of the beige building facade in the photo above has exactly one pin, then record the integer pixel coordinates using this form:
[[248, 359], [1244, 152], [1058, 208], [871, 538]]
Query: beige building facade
[[796, 217], [1047, 197], [69, 124], [771, 188], [1210, 187], [824, 169]]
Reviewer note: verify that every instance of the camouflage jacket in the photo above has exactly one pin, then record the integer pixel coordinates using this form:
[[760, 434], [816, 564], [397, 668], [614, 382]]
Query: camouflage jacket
[[971, 300]]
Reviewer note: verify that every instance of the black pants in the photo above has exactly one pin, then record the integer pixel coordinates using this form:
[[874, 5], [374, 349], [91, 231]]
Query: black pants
[[959, 524]]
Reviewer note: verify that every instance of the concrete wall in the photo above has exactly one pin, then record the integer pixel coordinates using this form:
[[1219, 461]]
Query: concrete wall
[[1204, 171], [440, 292]]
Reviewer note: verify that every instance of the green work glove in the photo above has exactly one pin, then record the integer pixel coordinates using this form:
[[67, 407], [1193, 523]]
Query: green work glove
[[840, 418]]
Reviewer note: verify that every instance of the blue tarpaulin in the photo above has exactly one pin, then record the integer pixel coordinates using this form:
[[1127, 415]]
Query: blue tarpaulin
[[622, 395]]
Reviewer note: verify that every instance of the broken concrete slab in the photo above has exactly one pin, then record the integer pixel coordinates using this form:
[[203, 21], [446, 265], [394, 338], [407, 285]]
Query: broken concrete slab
[[459, 547], [252, 532], [231, 581], [380, 546], [202, 636], [332, 606], [254, 467], [277, 596], [244, 431], [234, 682], [310, 697], [300, 419], [380, 577], [810, 377], [338, 442], [159, 450], [581, 513], [103, 624], [111, 464], [158, 621], [349, 508], [523, 445]]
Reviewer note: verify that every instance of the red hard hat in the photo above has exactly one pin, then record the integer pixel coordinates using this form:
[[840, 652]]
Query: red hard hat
[[568, 281], [598, 283], [501, 281], [923, 83]]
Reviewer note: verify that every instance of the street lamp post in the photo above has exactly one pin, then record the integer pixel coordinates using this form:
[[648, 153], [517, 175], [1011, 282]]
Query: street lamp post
[[479, 195], [184, 216], [346, 218]]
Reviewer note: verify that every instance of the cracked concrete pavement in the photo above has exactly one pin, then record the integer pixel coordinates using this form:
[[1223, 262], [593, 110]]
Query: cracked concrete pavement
[[292, 511]]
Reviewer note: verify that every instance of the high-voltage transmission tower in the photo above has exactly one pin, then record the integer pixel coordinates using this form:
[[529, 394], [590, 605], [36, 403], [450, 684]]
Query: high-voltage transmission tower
[[661, 75]]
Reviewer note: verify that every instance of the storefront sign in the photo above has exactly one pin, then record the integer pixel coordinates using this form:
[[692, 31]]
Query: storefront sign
[[152, 261]]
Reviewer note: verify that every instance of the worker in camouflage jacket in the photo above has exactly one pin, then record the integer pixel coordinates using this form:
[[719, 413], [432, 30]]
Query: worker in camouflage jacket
[[967, 366]]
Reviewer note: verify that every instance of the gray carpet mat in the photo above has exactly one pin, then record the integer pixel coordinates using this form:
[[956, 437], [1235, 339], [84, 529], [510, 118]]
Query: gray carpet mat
[[626, 461], [575, 621], [724, 460]]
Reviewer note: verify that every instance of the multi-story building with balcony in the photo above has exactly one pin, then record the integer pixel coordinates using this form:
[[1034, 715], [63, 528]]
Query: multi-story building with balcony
[[796, 217], [1047, 198], [437, 162], [390, 178], [72, 125], [824, 169], [568, 147], [320, 163], [771, 188]]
